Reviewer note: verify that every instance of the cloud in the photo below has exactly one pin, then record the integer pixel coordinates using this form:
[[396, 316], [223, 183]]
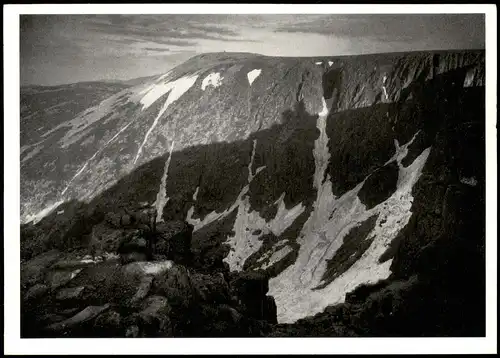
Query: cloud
[[461, 28], [155, 49], [167, 30]]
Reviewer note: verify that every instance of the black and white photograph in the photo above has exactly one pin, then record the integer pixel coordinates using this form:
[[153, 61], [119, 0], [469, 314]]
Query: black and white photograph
[[249, 171]]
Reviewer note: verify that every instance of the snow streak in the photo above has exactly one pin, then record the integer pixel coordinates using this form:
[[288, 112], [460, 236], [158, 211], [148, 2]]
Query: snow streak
[[177, 88], [161, 198], [92, 157]]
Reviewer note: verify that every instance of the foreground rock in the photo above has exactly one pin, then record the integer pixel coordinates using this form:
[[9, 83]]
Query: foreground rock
[[84, 316], [146, 299]]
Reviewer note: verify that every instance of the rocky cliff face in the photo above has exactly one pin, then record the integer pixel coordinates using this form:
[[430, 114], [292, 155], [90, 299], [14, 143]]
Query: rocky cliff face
[[325, 174]]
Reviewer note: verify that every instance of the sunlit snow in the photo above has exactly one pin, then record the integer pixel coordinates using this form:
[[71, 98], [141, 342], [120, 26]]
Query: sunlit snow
[[177, 88], [252, 75], [213, 79]]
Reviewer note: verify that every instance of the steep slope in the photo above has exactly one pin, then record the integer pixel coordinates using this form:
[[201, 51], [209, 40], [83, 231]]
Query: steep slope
[[43, 108], [311, 170]]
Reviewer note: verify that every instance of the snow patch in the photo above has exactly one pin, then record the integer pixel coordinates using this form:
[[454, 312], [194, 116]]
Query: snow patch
[[89, 261], [43, 213], [75, 273], [177, 88], [149, 267], [330, 63], [252, 75], [60, 212], [154, 93], [151, 90], [321, 153], [469, 181], [244, 242], [195, 195], [385, 92], [32, 153], [383, 87], [284, 217], [161, 198], [469, 77], [213, 79], [319, 63], [401, 151], [324, 111]]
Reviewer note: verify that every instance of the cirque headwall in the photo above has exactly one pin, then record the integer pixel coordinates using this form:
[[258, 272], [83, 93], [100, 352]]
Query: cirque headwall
[[327, 173]]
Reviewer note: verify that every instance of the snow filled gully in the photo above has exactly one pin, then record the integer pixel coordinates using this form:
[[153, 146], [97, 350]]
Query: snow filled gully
[[296, 288], [244, 242], [176, 88], [161, 197]]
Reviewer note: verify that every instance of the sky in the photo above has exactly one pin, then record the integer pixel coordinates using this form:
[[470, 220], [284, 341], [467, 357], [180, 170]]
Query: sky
[[57, 49]]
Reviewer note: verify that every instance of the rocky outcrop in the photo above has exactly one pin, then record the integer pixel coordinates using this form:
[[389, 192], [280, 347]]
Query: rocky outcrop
[[147, 299], [250, 291]]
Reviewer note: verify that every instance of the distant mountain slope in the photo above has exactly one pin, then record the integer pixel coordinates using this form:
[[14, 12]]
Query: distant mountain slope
[[309, 169]]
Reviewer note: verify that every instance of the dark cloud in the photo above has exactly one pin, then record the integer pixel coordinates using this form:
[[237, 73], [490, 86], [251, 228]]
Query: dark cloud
[[158, 49], [168, 29], [458, 28]]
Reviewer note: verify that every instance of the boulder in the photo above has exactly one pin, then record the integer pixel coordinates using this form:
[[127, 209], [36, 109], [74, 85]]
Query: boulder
[[133, 247], [126, 220], [33, 270], [155, 305], [143, 290], [211, 288], [58, 278], [176, 286], [51, 318], [68, 312], [70, 293], [105, 238], [74, 264], [230, 313], [112, 219], [120, 284], [108, 324], [132, 331], [36, 291], [143, 218], [83, 316], [153, 320]]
